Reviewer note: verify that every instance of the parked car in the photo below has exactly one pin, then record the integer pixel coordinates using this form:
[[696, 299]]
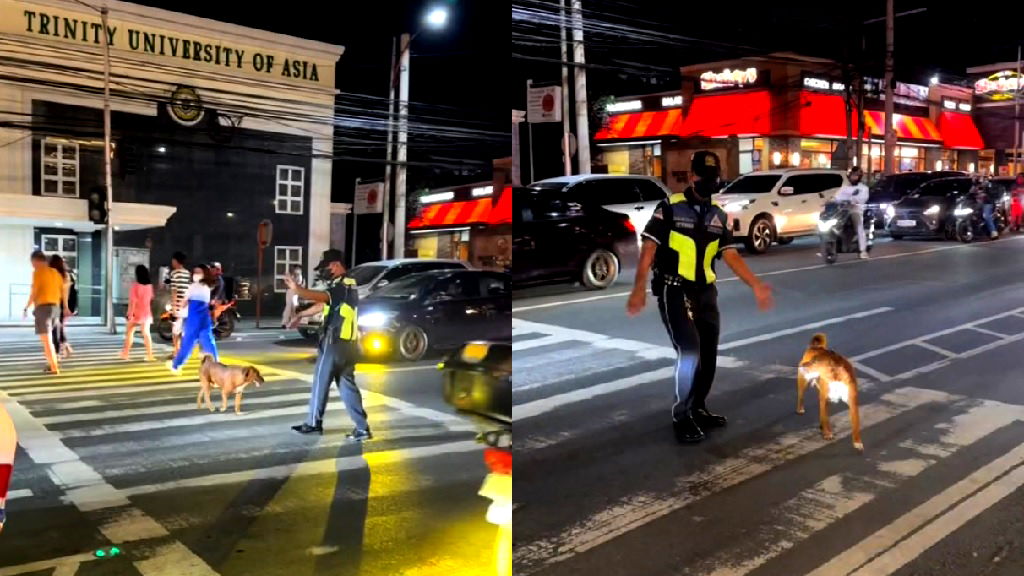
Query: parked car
[[634, 196], [892, 188], [777, 205], [370, 276], [929, 211], [435, 310], [554, 239]]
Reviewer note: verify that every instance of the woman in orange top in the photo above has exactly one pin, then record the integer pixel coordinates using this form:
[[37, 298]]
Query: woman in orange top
[[140, 313]]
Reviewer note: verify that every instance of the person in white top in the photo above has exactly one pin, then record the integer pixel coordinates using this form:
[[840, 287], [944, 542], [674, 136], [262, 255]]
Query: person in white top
[[857, 195]]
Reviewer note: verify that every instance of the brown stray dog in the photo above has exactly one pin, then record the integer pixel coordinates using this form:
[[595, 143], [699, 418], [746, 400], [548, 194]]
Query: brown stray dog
[[228, 378], [835, 379]]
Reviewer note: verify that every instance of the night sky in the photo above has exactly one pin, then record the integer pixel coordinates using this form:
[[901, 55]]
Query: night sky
[[450, 72], [636, 46]]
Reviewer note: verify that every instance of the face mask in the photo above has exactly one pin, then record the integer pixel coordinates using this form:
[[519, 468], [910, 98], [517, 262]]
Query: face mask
[[324, 274], [197, 277], [705, 187]]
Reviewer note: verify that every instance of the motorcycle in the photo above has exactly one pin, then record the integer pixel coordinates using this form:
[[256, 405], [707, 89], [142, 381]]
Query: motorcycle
[[970, 221], [224, 316], [838, 233], [478, 379]]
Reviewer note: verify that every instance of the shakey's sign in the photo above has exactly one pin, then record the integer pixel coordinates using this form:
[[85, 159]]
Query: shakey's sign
[[166, 45]]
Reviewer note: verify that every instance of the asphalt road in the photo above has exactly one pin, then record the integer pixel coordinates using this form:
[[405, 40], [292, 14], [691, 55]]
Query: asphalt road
[[936, 331], [115, 453]]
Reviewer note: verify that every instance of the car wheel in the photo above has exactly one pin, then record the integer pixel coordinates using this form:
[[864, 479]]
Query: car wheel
[[783, 240], [412, 342], [760, 236], [600, 270], [965, 232]]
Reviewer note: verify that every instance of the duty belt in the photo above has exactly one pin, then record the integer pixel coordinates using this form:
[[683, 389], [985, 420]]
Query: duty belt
[[671, 279]]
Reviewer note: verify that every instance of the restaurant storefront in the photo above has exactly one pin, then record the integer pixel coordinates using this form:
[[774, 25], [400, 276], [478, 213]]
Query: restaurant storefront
[[633, 139], [786, 110], [993, 92], [467, 223]]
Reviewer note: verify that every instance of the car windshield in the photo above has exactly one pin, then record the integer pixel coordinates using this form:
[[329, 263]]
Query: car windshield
[[405, 288], [364, 273], [758, 184], [931, 191]]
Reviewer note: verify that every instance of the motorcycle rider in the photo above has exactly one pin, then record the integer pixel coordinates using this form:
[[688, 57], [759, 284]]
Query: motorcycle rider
[[856, 195], [984, 198], [684, 237]]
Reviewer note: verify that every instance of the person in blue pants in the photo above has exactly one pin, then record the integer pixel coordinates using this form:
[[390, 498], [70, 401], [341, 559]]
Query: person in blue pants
[[198, 326]]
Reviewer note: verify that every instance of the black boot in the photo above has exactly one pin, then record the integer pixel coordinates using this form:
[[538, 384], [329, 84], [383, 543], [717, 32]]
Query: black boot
[[307, 429], [706, 419], [686, 429]]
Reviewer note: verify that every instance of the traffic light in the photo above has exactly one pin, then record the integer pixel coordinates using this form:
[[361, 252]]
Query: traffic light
[[98, 205]]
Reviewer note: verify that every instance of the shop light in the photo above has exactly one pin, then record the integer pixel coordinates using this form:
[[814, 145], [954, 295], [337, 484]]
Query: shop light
[[439, 197], [949, 104], [934, 80], [482, 191], [625, 106], [822, 159], [776, 158], [794, 159], [964, 107], [439, 230], [231, 214], [636, 143], [161, 149], [938, 165], [970, 167]]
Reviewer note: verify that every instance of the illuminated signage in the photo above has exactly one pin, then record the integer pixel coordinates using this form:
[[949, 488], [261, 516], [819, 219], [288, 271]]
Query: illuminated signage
[[956, 105], [949, 104], [625, 106], [728, 78], [999, 86], [964, 107], [671, 101], [823, 84]]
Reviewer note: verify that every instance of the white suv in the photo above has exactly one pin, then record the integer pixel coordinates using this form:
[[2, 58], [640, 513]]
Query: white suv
[[777, 205]]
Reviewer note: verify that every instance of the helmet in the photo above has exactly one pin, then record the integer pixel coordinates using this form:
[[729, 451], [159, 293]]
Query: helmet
[[705, 163]]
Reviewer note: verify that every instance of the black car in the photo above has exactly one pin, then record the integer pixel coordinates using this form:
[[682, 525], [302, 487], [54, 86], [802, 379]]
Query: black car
[[555, 239], [434, 310], [929, 211], [892, 188]]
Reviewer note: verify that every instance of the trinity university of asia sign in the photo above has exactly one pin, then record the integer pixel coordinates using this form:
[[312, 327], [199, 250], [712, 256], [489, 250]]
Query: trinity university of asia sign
[[185, 50]]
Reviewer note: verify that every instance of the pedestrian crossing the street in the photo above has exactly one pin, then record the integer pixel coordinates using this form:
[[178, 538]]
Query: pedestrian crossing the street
[[934, 459]]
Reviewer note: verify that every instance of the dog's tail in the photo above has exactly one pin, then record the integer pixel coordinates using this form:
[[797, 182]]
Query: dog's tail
[[819, 341], [207, 359]]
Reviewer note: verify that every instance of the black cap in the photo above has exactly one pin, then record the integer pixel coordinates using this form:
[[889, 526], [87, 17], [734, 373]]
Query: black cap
[[330, 255], [705, 163]]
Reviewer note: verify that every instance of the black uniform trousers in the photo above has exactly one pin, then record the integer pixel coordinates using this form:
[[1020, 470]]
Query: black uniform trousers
[[336, 364], [690, 314]]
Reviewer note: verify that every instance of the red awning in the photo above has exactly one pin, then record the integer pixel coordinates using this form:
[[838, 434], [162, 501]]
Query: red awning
[[501, 213], [959, 131], [824, 116], [453, 214], [740, 114], [642, 125], [912, 127]]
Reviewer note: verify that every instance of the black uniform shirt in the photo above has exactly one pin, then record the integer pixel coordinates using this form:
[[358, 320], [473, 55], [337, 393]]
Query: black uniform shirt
[[691, 234]]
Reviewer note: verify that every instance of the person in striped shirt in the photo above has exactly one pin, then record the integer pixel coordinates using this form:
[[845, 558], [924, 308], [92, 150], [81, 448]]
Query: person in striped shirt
[[179, 279]]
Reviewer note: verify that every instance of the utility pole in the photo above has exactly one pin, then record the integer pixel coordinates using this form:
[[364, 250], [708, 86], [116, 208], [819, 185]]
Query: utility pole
[[580, 60], [109, 280], [389, 156], [566, 156], [1016, 115], [890, 110], [401, 153]]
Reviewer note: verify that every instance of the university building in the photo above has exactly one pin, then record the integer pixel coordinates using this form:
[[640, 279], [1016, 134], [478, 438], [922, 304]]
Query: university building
[[215, 128]]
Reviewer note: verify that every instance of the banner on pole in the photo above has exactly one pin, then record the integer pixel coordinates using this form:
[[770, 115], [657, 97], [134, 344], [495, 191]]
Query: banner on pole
[[544, 104], [369, 199]]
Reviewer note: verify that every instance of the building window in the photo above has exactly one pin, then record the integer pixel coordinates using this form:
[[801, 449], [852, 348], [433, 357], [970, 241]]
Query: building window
[[291, 182], [751, 152], [285, 259], [64, 246], [60, 168], [907, 158]]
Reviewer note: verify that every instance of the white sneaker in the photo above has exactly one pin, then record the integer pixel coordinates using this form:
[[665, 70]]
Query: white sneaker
[[995, 235], [863, 255]]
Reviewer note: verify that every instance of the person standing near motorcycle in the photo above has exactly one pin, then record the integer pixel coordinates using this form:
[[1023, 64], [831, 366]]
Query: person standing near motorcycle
[[336, 361], [198, 323], [856, 195], [684, 237], [984, 198]]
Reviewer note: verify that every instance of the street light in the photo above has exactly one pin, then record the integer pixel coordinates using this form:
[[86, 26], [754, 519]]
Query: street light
[[436, 19]]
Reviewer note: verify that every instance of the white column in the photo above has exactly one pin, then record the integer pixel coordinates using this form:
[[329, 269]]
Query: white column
[[319, 206]]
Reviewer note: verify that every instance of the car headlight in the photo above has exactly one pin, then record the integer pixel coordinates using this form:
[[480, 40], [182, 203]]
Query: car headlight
[[890, 211], [375, 319], [168, 308], [826, 225], [962, 211], [932, 210], [732, 207], [884, 207]]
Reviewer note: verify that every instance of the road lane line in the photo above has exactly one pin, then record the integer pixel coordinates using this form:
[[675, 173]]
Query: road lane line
[[929, 336], [640, 509], [877, 375], [938, 350], [537, 342], [989, 332], [249, 400], [527, 308], [859, 555], [544, 405], [22, 493], [41, 565], [803, 328], [830, 500], [326, 466], [89, 492]]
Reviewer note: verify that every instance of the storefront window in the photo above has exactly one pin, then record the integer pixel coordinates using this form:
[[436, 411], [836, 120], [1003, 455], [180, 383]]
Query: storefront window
[[638, 160], [617, 161], [908, 158], [751, 152], [816, 153]]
